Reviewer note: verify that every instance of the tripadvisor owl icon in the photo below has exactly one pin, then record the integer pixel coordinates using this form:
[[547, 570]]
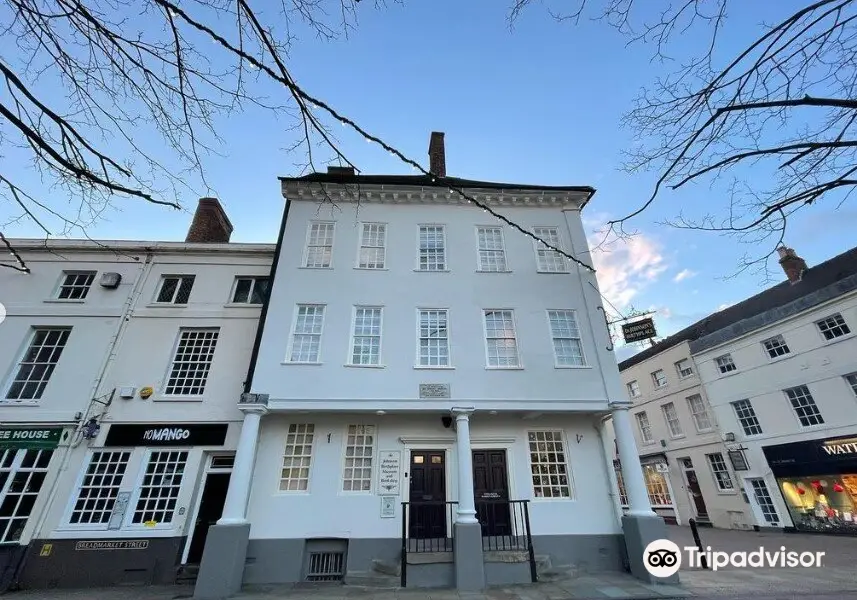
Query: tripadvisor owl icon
[[662, 558]]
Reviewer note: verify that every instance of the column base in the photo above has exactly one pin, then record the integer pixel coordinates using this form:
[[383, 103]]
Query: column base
[[221, 571], [469, 563], [640, 531]]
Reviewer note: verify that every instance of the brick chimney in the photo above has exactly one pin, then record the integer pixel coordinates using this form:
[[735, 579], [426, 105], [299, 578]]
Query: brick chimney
[[793, 265], [437, 154], [210, 224]]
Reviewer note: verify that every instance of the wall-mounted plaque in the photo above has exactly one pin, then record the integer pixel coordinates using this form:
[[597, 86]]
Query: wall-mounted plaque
[[389, 473], [434, 390], [388, 507]]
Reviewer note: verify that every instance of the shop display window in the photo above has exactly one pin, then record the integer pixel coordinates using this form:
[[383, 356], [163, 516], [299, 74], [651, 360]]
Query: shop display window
[[826, 503]]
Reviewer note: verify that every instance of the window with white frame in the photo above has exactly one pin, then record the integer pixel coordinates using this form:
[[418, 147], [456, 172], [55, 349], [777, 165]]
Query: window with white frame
[[251, 290], [175, 289], [433, 338], [764, 500], [75, 285], [192, 362], [548, 465], [567, 345], [776, 346], [659, 378], [656, 486], [725, 363], [366, 336], [492, 252], [22, 473], [620, 483], [35, 368], [359, 452], [720, 472], [671, 417], [432, 248], [373, 246], [684, 368], [645, 427], [501, 341], [547, 260], [633, 389], [159, 490], [747, 417], [99, 488], [833, 327], [297, 458], [699, 412], [319, 245], [804, 406], [851, 379], [306, 333]]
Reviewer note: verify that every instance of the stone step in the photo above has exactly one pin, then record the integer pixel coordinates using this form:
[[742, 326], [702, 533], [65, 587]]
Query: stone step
[[371, 579]]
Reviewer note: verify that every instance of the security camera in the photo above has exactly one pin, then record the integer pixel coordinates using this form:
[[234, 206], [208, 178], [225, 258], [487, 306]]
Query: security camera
[[447, 421]]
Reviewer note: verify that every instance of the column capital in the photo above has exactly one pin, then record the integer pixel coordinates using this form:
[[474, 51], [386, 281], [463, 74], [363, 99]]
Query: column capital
[[254, 409], [462, 413], [619, 405]]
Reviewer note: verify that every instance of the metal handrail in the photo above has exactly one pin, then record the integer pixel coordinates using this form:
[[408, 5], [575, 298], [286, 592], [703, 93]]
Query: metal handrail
[[426, 527]]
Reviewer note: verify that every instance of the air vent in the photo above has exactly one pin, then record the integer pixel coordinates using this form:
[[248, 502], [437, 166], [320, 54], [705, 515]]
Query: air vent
[[111, 281], [326, 566]]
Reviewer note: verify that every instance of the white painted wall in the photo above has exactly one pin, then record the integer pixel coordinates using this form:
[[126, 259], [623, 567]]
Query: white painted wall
[[324, 510], [813, 361]]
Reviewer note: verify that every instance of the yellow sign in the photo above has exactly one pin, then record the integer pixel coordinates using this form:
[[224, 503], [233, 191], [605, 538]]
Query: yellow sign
[[150, 523], [145, 392], [46, 550]]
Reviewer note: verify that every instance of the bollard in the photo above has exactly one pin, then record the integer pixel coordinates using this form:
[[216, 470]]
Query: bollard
[[702, 560]]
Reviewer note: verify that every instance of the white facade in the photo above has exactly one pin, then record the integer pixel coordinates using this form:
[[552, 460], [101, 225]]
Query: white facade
[[193, 351], [676, 430], [754, 387]]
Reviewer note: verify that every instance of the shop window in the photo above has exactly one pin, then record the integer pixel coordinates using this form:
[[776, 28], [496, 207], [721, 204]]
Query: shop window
[[804, 406], [656, 486], [192, 362], [159, 491], [22, 473], [720, 471], [297, 458], [824, 503], [99, 488], [548, 465], [359, 450]]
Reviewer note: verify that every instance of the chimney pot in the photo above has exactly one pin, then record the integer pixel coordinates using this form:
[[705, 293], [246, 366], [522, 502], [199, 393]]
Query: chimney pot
[[437, 154], [793, 265], [210, 224]]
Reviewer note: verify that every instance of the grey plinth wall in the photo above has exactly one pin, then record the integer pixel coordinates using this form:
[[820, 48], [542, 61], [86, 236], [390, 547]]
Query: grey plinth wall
[[469, 567], [639, 532], [222, 569]]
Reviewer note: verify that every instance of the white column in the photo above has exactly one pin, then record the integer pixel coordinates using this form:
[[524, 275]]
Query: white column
[[235, 507], [466, 502], [632, 471]]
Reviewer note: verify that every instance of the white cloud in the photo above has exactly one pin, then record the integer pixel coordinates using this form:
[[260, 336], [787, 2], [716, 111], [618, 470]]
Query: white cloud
[[724, 306], [684, 274], [626, 267]]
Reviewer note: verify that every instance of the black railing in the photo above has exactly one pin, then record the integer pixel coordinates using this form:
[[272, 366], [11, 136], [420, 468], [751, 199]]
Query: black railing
[[426, 527], [506, 528]]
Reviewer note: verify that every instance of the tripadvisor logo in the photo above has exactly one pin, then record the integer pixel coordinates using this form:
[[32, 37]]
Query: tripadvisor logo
[[663, 558]]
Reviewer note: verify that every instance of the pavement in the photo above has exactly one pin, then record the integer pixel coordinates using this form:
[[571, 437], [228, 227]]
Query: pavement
[[836, 579]]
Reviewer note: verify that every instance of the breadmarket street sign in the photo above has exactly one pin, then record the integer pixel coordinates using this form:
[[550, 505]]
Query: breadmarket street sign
[[638, 331]]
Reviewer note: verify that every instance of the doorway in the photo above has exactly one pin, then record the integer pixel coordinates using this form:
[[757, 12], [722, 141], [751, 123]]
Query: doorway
[[210, 508], [491, 491], [427, 519], [693, 489]]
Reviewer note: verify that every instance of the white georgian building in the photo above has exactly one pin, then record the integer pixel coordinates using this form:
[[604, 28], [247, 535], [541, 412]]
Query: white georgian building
[[781, 376], [424, 369], [121, 363]]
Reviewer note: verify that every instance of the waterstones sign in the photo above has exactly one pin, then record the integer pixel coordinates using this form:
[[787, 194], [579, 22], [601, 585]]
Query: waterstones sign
[[30, 437], [167, 434], [839, 447]]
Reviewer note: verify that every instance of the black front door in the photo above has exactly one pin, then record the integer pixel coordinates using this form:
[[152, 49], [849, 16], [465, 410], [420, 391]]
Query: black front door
[[210, 510], [427, 517], [491, 488], [694, 489]]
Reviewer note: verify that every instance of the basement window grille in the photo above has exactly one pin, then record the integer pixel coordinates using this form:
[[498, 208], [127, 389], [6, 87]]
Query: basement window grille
[[326, 566]]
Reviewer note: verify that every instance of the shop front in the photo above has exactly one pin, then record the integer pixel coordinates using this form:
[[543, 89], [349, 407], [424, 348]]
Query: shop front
[[818, 482]]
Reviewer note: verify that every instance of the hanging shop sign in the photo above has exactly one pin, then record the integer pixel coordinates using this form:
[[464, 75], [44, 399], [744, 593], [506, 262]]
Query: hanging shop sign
[[738, 460], [30, 437], [167, 434], [638, 331]]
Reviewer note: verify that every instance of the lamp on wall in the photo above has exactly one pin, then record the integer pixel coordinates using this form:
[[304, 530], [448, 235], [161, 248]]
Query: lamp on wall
[[729, 437], [91, 429]]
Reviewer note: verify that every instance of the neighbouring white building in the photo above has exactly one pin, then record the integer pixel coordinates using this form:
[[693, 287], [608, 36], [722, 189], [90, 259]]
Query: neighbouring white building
[[121, 365], [780, 371], [677, 435], [428, 379]]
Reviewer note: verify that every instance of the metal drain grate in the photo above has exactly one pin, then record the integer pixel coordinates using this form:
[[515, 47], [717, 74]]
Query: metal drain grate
[[325, 566]]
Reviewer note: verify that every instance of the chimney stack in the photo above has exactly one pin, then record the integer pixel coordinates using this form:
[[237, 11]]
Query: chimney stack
[[793, 265], [210, 224], [437, 154]]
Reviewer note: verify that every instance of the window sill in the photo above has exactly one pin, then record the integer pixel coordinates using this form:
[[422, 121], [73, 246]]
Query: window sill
[[64, 301], [572, 366], [678, 437], [729, 373], [294, 363], [686, 377], [727, 493], [504, 368], [242, 305], [553, 272], [165, 305], [432, 271], [365, 366], [434, 367], [19, 402], [493, 272], [661, 387], [370, 269], [542, 499], [330, 268], [836, 340], [177, 399], [704, 431]]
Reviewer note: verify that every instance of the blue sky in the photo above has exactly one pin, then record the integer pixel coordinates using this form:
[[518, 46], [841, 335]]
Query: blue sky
[[539, 104]]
